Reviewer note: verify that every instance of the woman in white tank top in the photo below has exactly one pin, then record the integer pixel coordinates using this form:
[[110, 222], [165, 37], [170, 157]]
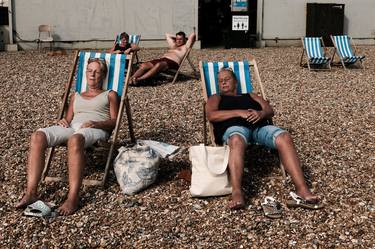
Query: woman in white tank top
[[90, 117]]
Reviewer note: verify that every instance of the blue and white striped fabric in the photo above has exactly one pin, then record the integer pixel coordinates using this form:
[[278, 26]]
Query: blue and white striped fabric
[[314, 50], [116, 64], [132, 39], [240, 68], [345, 50]]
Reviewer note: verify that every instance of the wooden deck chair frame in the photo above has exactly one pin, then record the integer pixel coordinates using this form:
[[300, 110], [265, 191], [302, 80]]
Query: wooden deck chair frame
[[137, 41], [124, 103], [174, 73], [354, 48], [185, 58], [304, 50], [252, 63]]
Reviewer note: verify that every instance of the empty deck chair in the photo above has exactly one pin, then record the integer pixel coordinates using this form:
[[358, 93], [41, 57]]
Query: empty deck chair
[[315, 54], [210, 86], [344, 50], [116, 81]]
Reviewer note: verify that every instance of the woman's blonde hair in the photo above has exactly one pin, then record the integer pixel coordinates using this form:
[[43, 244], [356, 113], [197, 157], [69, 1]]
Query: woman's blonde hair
[[230, 70], [102, 65]]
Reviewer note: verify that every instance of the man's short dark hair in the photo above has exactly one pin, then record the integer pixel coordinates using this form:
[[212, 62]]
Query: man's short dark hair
[[181, 33]]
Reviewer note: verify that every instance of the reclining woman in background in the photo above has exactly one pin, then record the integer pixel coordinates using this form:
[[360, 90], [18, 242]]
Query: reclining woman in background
[[90, 117], [240, 119], [124, 47]]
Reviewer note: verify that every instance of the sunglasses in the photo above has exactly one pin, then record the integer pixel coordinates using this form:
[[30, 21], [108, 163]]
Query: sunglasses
[[91, 59], [226, 69]]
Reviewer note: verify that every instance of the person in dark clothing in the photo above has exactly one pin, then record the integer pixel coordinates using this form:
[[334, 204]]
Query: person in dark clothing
[[242, 119], [123, 47]]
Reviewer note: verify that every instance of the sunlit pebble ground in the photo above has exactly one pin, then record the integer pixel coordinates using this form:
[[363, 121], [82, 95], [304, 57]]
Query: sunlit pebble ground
[[330, 115]]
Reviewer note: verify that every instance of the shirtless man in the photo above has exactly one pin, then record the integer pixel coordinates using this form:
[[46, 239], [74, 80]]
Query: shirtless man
[[171, 60]]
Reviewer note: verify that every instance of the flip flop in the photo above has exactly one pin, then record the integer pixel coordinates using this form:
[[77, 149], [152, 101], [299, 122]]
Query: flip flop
[[39, 209], [298, 201], [271, 208]]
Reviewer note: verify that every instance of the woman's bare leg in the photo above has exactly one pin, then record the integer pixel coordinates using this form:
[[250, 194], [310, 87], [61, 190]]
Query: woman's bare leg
[[289, 159], [38, 145], [76, 164], [237, 147]]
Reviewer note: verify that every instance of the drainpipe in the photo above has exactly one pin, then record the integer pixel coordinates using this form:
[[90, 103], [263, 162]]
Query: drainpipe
[[260, 16], [11, 46], [10, 14], [196, 23]]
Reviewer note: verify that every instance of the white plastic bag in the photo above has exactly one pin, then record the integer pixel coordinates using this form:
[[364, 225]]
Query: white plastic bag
[[163, 149], [136, 168]]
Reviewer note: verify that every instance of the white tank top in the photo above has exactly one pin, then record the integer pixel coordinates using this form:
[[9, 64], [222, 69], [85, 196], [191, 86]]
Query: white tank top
[[95, 109]]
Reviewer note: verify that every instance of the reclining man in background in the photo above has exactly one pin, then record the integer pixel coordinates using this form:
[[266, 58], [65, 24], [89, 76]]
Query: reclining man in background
[[178, 47]]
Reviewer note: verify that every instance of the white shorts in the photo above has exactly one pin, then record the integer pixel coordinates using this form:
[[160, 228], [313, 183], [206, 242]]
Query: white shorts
[[57, 135]]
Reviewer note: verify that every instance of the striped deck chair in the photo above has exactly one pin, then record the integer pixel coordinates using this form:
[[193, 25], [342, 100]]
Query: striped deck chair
[[315, 53], [210, 86], [115, 80], [344, 50], [133, 39]]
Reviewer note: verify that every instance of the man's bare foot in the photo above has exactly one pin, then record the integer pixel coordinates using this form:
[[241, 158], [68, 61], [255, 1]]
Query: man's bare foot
[[26, 200], [237, 201], [133, 81], [68, 207]]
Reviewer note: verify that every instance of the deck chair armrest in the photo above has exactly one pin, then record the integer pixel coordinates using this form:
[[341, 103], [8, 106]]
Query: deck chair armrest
[[191, 40]]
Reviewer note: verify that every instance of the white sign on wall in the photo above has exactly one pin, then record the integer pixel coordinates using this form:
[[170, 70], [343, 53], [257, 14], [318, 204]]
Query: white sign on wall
[[240, 22]]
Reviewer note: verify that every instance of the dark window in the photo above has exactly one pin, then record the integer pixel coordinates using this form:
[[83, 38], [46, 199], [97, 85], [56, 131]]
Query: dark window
[[4, 20]]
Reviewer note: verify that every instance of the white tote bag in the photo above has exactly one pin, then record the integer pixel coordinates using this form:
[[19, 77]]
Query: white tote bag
[[209, 171]]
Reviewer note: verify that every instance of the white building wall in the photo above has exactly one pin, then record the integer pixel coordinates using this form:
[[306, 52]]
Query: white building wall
[[94, 23], [286, 19]]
